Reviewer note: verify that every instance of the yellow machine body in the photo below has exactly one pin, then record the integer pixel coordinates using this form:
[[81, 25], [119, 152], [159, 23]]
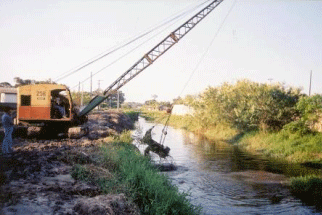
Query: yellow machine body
[[35, 102]]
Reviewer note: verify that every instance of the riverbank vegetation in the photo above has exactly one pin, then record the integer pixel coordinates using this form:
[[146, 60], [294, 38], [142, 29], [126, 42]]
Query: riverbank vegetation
[[124, 170], [308, 188], [270, 119], [134, 115]]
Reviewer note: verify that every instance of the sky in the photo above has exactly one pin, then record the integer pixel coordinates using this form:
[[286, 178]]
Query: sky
[[260, 40]]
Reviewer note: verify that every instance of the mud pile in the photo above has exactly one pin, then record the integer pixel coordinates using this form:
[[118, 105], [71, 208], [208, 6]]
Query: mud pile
[[37, 179], [104, 124]]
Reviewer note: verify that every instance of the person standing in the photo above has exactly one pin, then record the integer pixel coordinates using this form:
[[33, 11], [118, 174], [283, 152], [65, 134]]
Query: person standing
[[8, 129]]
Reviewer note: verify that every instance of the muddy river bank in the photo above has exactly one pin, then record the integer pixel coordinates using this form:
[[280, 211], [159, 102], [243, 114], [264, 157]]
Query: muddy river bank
[[36, 178]]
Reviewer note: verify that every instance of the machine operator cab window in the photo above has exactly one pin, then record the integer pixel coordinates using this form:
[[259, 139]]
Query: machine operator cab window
[[59, 104]]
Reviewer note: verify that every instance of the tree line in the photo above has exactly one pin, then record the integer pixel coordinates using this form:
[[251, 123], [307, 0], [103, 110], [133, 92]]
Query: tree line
[[248, 105]]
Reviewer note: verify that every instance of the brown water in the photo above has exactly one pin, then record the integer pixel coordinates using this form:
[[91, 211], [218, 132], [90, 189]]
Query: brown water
[[224, 180]]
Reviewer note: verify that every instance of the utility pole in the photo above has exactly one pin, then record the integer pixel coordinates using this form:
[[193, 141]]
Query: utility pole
[[79, 95], [82, 99], [310, 83], [91, 85], [99, 84], [99, 91], [118, 99]]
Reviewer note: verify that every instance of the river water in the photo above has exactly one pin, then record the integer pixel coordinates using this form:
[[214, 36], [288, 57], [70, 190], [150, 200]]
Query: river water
[[224, 180]]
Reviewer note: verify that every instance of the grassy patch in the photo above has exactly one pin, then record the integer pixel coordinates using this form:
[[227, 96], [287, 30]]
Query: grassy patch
[[221, 132], [156, 116], [151, 191], [80, 172], [127, 171], [293, 148], [134, 115], [308, 188]]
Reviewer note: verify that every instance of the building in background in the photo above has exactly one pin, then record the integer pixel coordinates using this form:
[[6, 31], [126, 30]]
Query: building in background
[[8, 97], [182, 110]]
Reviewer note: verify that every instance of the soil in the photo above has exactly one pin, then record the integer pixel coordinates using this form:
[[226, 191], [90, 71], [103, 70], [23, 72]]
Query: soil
[[36, 178]]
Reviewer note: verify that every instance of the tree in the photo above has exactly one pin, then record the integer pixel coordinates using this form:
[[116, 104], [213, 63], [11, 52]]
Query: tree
[[249, 105], [77, 97], [154, 96], [21, 82], [310, 108], [131, 105], [111, 101], [178, 100], [151, 102], [309, 105], [114, 98], [5, 84]]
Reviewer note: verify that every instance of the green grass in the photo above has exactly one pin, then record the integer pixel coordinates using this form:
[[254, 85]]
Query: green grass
[[151, 191], [156, 116], [132, 114], [80, 172], [293, 148], [134, 175], [304, 184], [308, 188]]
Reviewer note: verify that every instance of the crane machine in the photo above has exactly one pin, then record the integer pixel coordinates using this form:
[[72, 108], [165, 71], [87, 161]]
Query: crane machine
[[36, 102]]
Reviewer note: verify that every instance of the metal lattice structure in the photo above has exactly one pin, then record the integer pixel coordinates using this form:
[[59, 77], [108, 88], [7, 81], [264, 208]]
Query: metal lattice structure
[[152, 55]]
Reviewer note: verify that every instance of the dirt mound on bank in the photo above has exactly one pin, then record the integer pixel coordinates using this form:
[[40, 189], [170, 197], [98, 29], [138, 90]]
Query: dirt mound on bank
[[37, 179], [103, 124], [105, 205]]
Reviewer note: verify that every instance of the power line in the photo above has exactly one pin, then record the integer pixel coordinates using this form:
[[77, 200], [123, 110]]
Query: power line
[[124, 55], [205, 53], [166, 27], [166, 125], [104, 54]]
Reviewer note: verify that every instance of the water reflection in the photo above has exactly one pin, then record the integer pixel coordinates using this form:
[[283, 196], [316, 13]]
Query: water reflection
[[224, 180], [231, 158]]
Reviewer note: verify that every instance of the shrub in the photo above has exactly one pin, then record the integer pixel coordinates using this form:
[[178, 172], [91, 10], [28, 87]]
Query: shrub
[[310, 108], [134, 115], [298, 126], [124, 137], [248, 105], [308, 105]]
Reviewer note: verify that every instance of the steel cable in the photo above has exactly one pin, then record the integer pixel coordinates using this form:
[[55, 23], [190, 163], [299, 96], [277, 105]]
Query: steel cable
[[102, 55], [164, 130]]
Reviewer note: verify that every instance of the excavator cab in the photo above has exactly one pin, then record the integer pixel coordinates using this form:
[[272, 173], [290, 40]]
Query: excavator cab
[[44, 103], [60, 105]]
